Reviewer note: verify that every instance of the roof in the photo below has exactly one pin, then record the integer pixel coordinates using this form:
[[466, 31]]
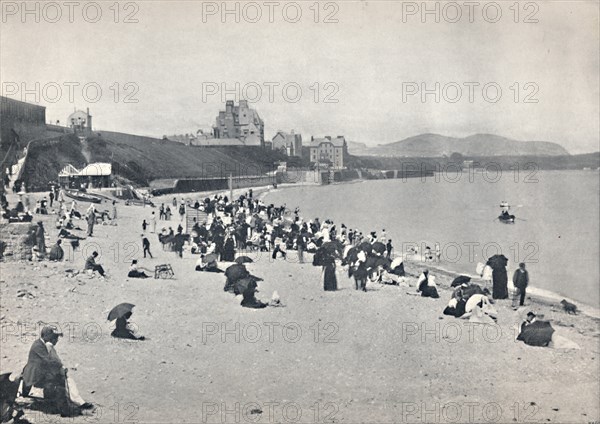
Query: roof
[[336, 142], [8, 100], [287, 137], [68, 171], [99, 169]]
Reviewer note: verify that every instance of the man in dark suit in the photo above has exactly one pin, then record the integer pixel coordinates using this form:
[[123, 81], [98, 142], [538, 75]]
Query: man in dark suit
[[45, 370], [520, 281]]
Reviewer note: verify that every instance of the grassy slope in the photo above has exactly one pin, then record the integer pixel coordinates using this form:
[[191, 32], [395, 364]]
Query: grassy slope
[[46, 158], [142, 159]]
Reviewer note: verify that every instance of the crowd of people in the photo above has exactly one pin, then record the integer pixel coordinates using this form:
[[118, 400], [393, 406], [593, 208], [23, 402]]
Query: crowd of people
[[231, 228]]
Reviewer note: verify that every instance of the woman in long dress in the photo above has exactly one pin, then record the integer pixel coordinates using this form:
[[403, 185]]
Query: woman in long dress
[[329, 277], [228, 254]]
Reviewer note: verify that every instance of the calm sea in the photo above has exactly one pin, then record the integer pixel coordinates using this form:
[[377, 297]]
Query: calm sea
[[556, 233]]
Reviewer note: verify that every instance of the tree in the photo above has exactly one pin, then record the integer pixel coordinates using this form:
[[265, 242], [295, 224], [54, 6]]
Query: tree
[[457, 157]]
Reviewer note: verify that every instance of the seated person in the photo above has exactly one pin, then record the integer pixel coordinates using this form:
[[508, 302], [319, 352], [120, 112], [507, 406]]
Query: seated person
[[36, 255], [67, 234], [210, 265], [426, 285], [122, 330], [45, 370], [56, 252], [136, 271], [200, 264], [90, 264], [387, 277], [250, 300]]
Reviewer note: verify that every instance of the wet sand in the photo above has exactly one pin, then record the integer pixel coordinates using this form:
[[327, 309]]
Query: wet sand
[[350, 357]]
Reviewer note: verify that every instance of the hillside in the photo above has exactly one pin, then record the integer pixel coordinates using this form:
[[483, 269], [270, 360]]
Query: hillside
[[46, 158], [435, 145], [143, 159]]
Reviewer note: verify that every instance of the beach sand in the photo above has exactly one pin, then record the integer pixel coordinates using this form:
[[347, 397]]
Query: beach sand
[[384, 356]]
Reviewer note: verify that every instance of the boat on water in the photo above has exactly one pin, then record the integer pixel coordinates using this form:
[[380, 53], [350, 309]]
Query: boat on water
[[507, 219], [83, 197], [505, 216]]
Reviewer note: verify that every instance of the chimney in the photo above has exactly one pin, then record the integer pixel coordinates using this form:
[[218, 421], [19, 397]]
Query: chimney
[[244, 104], [89, 119], [229, 106]]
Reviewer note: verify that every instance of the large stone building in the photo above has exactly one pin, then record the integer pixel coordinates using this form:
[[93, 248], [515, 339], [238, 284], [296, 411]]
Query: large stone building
[[239, 123], [329, 151], [288, 143]]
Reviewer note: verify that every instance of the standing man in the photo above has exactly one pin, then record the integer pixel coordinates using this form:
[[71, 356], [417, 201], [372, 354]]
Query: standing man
[[40, 239], [181, 211], [389, 248], [301, 246], [153, 222], [51, 196], [520, 281], [91, 220], [146, 245]]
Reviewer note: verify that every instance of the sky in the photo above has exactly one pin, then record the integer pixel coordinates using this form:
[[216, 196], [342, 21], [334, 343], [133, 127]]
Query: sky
[[373, 71]]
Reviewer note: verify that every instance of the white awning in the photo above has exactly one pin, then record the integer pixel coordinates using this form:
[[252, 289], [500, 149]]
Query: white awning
[[99, 169]]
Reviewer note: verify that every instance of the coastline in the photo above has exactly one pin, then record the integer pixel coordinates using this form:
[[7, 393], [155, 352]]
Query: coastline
[[536, 294]]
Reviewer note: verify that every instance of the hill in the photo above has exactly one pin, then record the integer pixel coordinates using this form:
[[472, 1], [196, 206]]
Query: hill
[[143, 159], [436, 145]]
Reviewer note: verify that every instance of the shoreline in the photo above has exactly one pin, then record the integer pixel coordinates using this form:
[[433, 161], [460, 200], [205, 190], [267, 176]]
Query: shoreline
[[536, 294]]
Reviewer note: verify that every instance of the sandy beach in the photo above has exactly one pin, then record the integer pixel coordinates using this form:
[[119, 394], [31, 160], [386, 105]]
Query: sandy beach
[[384, 356]]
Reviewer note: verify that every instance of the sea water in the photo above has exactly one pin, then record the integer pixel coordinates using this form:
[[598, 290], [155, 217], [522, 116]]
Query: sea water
[[556, 232]]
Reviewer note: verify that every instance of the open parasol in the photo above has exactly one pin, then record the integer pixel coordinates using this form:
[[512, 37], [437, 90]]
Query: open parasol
[[120, 310], [379, 247]]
